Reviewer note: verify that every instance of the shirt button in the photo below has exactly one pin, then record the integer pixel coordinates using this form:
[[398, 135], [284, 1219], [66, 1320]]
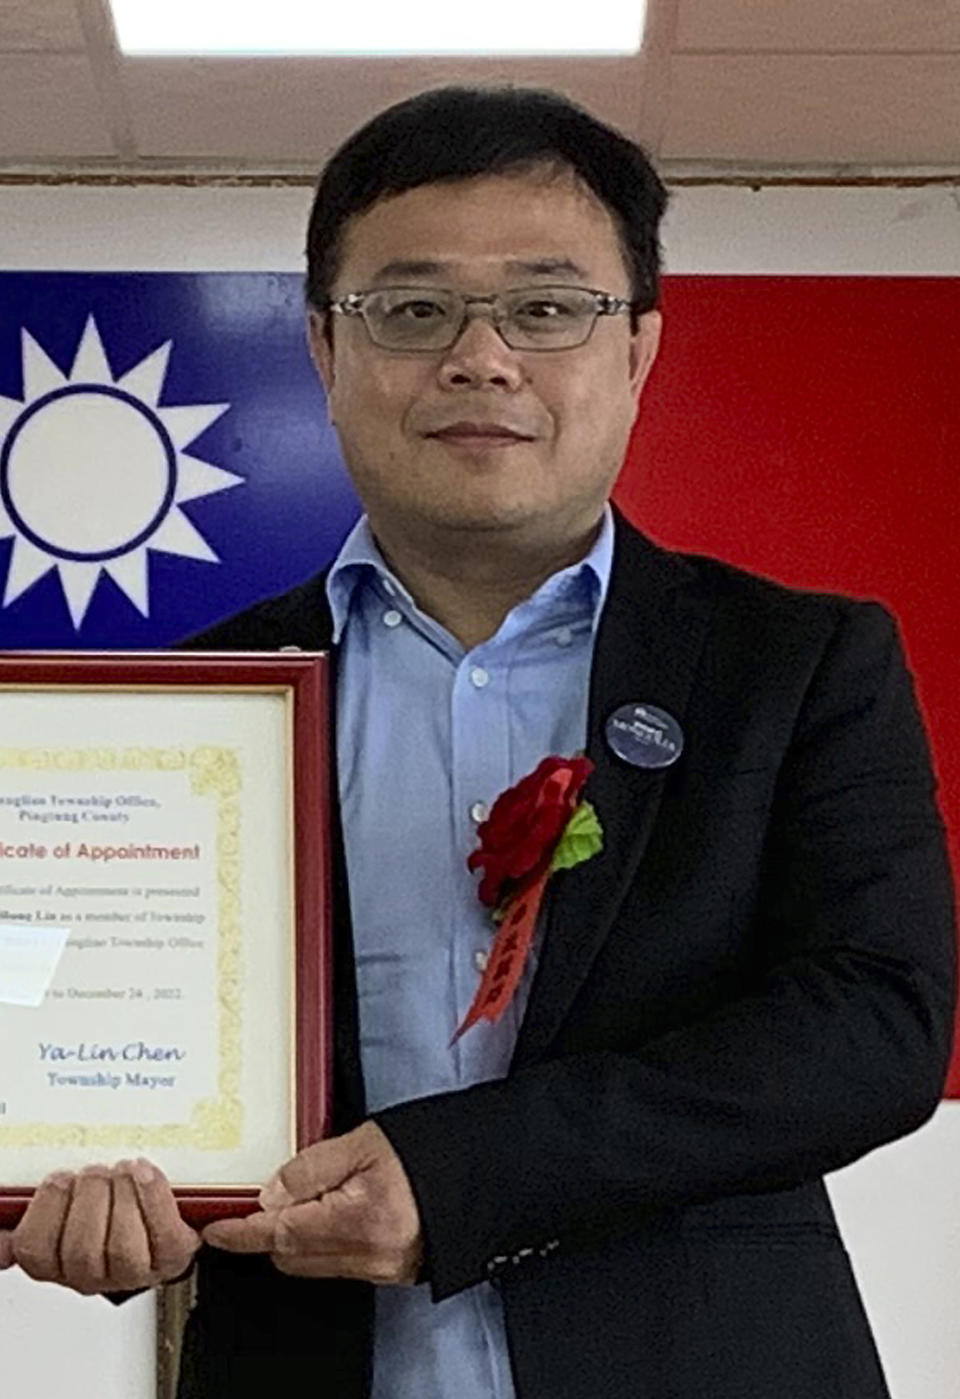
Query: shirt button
[[479, 677], [563, 636], [479, 812], [392, 618], [480, 960]]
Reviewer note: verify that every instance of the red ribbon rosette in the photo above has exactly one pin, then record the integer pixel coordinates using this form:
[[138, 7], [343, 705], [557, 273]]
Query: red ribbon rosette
[[535, 827]]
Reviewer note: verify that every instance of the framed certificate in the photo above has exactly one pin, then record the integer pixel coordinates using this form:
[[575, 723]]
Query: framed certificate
[[165, 929]]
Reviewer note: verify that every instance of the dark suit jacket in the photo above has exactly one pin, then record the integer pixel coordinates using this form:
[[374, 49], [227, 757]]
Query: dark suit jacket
[[754, 984]]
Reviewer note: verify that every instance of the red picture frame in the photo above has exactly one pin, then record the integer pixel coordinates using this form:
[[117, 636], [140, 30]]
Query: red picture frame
[[305, 675]]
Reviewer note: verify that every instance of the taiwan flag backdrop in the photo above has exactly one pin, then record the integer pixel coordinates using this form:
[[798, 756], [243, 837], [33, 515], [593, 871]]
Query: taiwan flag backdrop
[[166, 458], [165, 454]]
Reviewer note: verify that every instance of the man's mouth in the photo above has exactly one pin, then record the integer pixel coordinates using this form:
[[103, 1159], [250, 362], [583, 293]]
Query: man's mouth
[[479, 432]]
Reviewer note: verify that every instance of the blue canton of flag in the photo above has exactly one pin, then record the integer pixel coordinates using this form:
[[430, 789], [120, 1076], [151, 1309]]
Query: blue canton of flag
[[165, 455]]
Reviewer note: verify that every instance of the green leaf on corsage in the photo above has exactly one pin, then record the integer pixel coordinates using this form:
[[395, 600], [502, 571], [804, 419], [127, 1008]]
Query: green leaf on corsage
[[581, 840]]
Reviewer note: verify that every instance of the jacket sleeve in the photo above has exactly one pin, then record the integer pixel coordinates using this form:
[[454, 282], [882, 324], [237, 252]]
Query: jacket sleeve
[[842, 1043]]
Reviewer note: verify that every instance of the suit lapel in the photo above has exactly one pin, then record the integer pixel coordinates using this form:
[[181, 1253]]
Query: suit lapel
[[349, 1095], [650, 637], [309, 625]]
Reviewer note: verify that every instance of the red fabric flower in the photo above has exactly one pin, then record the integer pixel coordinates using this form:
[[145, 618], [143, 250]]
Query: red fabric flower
[[535, 828], [518, 838]]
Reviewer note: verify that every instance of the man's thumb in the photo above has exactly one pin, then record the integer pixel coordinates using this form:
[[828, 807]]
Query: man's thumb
[[310, 1173]]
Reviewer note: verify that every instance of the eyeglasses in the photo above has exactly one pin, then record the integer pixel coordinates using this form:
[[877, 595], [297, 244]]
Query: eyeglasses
[[526, 318]]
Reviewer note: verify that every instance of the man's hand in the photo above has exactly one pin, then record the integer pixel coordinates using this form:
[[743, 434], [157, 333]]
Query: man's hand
[[104, 1230], [6, 1249], [342, 1208]]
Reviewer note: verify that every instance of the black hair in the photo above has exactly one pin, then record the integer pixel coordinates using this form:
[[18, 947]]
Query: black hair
[[454, 133]]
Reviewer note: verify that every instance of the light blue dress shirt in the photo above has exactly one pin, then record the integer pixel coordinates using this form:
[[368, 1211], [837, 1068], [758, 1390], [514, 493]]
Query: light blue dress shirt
[[428, 736]]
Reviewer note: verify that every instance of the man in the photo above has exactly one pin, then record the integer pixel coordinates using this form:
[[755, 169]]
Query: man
[[617, 1188]]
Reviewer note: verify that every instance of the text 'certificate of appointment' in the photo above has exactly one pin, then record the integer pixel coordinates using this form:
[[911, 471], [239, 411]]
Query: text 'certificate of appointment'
[[147, 939]]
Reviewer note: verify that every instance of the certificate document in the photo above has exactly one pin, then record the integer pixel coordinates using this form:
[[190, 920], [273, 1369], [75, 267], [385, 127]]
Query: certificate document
[[155, 863]]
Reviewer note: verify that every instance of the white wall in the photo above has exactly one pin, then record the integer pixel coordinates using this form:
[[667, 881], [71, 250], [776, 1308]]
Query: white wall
[[899, 1208], [899, 1211], [54, 1344], [777, 229]]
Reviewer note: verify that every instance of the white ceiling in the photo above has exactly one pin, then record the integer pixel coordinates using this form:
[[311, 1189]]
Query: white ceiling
[[816, 88]]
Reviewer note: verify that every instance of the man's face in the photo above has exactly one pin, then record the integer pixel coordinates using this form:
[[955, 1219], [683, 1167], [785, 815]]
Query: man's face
[[573, 407]]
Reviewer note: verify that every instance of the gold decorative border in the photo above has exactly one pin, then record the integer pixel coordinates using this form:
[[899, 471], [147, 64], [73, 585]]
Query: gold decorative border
[[215, 1123]]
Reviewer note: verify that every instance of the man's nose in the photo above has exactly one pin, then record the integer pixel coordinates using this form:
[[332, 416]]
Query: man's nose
[[481, 354]]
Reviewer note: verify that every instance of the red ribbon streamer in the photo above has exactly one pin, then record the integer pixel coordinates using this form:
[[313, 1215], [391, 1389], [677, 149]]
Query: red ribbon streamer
[[507, 956]]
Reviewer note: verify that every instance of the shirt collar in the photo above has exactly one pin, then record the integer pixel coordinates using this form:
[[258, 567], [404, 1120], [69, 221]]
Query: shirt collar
[[359, 558]]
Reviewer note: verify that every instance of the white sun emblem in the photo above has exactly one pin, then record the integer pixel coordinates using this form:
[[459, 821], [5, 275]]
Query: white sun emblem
[[93, 472]]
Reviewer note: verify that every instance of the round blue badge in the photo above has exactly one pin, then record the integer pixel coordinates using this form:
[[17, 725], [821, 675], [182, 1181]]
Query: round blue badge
[[644, 736]]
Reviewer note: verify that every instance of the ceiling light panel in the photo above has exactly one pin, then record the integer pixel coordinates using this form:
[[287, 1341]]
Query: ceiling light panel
[[377, 28]]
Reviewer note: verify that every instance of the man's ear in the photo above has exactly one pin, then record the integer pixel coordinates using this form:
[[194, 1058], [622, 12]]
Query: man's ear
[[644, 344], [320, 342]]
